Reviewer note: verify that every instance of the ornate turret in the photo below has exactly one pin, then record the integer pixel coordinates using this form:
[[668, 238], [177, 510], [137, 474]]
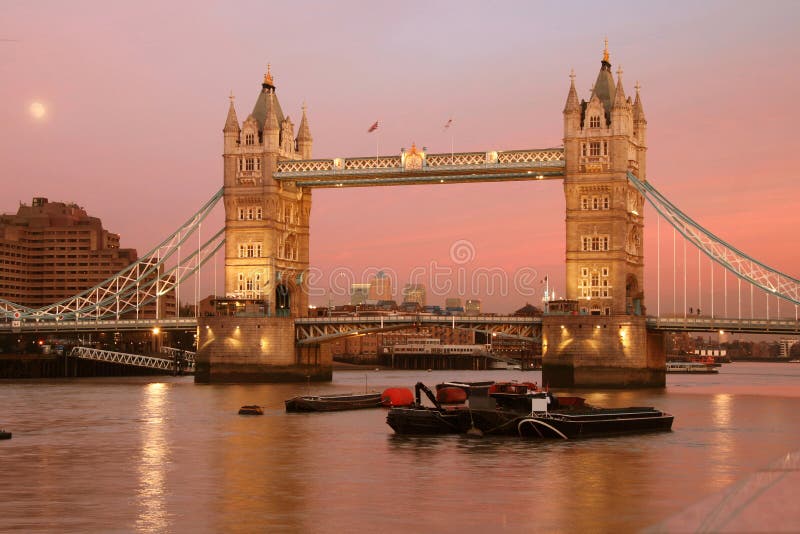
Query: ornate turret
[[604, 88], [268, 82], [287, 137], [304, 139], [272, 129], [572, 108], [639, 121], [231, 122], [267, 99], [621, 117], [231, 129]]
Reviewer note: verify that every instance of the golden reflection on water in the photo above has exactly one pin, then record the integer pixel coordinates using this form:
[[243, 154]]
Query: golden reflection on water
[[722, 409], [152, 515], [721, 441]]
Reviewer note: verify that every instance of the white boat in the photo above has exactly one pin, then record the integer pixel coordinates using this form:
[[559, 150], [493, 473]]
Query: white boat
[[691, 367]]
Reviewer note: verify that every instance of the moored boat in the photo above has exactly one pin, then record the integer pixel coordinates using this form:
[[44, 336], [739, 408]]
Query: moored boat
[[519, 410], [251, 409], [5, 435], [331, 403], [691, 367]]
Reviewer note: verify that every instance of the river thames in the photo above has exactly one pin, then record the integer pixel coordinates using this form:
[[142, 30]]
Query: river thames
[[165, 455]]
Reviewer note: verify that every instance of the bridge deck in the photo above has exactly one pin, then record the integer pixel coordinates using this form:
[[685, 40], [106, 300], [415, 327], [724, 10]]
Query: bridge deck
[[484, 322], [421, 168]]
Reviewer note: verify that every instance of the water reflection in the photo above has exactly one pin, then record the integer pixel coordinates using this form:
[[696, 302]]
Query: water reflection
[[152, 463], [123, 455]]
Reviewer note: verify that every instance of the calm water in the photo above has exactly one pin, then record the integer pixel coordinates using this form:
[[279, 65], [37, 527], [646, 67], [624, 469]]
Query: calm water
[[151, 454]]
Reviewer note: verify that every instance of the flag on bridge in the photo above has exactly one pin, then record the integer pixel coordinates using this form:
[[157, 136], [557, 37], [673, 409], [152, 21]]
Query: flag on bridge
[[373, 127], [543, 280], [448, 124]]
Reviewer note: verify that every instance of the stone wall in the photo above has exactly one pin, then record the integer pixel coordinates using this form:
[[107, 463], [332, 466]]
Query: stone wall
[[600, 351], [256, 349]]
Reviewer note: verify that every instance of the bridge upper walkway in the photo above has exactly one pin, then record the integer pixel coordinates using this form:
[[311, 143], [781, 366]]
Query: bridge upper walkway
[[420, 168]]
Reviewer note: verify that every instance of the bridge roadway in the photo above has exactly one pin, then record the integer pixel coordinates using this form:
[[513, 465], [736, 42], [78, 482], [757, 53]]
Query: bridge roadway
[[316, 329]]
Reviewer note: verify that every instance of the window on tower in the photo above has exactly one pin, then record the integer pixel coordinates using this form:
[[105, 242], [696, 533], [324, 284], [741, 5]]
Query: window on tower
[[594, 148], [594, 283], [249, 139], [594, 121]]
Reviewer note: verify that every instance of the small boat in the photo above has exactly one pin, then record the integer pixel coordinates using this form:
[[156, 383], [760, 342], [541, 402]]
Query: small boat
[[525, 411], [331, 403], [251, 409], [5, 435], [691, 367], [706, 360]]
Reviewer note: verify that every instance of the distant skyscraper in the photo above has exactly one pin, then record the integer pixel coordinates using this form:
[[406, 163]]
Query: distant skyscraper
[[472, 307], [414, 293], [454, 306], [359, 293], [380, 287]]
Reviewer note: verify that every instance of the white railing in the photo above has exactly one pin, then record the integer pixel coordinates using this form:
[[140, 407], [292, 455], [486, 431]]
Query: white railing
[[513, 158], [137, 360]]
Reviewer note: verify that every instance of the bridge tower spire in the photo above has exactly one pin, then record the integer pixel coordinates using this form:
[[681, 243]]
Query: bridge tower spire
[[266, 252], [604, 343]]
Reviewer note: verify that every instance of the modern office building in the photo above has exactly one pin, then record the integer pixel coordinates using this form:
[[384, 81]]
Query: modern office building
[[359, 293], [414, 293], [472, 307], [380, 287], [453, 306]]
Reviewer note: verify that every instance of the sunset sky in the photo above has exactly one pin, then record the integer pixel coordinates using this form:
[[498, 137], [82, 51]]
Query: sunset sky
[[119, 107]]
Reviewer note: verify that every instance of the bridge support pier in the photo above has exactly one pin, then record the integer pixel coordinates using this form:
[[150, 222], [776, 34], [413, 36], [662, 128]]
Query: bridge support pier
[[616, 351], [256, 349]]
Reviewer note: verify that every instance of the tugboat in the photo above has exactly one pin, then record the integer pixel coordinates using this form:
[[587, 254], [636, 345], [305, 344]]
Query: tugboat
[[521, 410]]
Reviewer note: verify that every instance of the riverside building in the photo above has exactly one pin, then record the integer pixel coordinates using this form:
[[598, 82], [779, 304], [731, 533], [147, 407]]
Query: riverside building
[[50, 251]]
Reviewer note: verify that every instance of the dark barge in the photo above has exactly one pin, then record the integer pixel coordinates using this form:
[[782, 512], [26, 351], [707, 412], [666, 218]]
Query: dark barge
[[519, 410]]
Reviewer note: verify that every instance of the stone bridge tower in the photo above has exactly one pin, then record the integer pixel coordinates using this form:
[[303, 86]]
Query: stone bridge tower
[[266, 222], [598, 336], [251, 337]]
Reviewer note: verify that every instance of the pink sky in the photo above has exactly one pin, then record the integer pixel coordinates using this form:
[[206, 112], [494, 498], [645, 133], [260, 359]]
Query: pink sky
[[136, 97]]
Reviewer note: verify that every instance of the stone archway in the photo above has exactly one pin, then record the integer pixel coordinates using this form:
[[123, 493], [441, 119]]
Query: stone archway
[[633, 295], [283, 301]]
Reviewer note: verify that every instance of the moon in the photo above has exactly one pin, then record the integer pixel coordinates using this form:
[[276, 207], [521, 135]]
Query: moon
[[37, 110]]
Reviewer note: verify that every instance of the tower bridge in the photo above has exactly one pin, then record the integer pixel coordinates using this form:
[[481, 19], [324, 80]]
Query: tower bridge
[[259, 333]]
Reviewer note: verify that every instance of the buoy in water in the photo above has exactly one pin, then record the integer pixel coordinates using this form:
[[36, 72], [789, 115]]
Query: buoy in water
[[251, 409], [397, 397]]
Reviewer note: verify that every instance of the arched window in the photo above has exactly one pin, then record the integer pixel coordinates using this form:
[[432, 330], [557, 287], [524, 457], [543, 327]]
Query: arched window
[[249, 139], [594, 121], [282, 301]]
